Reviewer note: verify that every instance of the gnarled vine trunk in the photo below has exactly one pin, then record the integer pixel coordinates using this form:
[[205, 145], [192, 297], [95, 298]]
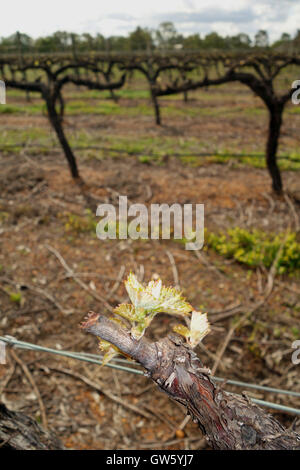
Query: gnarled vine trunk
[[275, 121], [156, 106], [56, 122], [227, 420], [19, 432]]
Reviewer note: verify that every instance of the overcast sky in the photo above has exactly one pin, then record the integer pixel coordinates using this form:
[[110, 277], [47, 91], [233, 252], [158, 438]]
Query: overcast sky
[[118, 17]]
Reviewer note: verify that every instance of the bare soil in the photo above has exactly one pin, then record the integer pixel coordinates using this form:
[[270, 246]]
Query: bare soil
[[37, 198]]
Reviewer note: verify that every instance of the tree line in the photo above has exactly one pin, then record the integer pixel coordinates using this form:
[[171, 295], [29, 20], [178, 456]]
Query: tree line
[[165, 37]]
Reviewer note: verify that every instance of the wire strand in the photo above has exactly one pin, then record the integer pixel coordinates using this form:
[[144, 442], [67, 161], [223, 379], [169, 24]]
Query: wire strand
[[95, 359], [149, 154]]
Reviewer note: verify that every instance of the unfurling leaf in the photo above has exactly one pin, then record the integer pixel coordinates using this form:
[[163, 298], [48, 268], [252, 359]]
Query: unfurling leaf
[[154, 288], [143, 297], [182, 330], [199, 328], [171, 301], [126, 311], [109, 350], [156, 298], [146, 302]]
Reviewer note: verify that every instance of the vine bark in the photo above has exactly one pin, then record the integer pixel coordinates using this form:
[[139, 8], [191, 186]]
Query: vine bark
[[227, 420]]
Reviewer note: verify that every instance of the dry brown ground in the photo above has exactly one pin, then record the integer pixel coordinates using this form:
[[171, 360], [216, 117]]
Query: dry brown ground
[[38, 196]]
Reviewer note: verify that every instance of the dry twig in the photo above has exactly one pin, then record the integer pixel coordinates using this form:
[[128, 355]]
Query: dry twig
[[33, 385], [174, 269], [99, 388], [79, 281], [293, 211]]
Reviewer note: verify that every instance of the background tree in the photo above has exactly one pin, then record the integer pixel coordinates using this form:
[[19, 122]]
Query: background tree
[[214, 41], [284, 44], [240, 41], [193, 42], [261, 38], [140, 40], [166, 35]]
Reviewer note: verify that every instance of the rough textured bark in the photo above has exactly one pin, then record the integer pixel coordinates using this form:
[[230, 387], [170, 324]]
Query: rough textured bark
[[56, 122], [275, 121], [19, 432], [227, 420], [156, 107]]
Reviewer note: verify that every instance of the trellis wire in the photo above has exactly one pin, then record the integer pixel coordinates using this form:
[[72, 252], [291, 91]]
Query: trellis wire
[[74, 355], [149, 154], [96, 359]]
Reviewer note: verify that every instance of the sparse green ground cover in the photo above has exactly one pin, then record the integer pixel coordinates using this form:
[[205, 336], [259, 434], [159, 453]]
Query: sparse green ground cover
[[221, 121]]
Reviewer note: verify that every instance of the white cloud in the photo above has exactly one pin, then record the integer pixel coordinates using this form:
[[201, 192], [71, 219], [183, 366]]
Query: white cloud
[[36, 17]]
